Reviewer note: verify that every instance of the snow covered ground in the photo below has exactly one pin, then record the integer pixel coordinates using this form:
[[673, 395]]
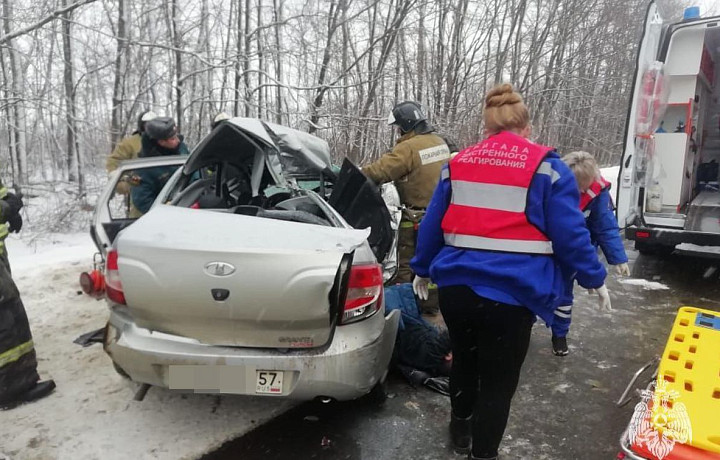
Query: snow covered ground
[[92, 414]]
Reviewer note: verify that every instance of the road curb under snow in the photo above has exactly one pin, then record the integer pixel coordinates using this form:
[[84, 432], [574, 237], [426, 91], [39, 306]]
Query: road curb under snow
[[92, 413]]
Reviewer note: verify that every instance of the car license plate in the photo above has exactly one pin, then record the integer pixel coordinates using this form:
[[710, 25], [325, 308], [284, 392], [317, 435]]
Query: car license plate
[[269, 382]]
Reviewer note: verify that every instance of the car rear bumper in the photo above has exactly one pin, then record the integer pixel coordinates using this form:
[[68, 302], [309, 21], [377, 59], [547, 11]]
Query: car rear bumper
[[355, 360], [671, 237]]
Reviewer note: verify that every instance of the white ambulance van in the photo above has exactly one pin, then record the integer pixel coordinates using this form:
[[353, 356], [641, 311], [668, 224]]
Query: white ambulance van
[[667, 193]]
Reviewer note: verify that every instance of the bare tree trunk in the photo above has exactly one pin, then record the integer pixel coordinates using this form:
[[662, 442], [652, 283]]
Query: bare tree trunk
[[119, 84], [7, 107], [238, 62], [277, 8], [261, 61], [18, 104], [421, 53], [177, 43], [70, 108], [327, 55], [246, 60]]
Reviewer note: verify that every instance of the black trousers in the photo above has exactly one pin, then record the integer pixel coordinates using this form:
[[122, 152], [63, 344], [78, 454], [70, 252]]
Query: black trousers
[[489, 343], [17, 355]]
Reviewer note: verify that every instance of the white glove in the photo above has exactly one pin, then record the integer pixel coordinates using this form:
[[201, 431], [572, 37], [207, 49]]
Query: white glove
[[603, 298], [622, 269], [420, 287]]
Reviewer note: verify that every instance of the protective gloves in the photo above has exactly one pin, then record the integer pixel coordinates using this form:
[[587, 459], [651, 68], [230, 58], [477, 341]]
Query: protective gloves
[[603, 298], [420, 287], [15, 223], [622, 269], [9, 207]]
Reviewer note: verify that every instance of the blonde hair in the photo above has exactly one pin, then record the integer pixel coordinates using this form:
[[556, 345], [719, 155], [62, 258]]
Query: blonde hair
[[584, 166], [504, 110]]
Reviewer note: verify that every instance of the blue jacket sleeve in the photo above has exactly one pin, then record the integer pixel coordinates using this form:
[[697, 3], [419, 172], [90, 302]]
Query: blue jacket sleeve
[[565, 226], [143, 194], [430, 238], [604, 229]]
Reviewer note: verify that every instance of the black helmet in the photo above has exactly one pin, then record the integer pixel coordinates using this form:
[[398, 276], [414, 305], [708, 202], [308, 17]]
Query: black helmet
[[407, 115], [161, 128], [144, 118]]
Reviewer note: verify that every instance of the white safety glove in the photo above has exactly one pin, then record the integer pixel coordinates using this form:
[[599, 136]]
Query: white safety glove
[[420, 287], [603, 298], [622, 269]]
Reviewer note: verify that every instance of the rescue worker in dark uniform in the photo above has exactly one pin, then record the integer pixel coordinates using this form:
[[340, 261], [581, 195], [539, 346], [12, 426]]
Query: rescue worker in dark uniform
[[159, 139], [414, 166], [19, 380]]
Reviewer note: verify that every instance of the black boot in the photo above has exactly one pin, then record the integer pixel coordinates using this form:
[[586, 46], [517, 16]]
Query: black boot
[[560, 347], [460, 434], [472, 457], [39, 391]]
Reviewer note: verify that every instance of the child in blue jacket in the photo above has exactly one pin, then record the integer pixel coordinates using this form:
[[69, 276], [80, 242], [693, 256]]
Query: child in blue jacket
[[596, 205]]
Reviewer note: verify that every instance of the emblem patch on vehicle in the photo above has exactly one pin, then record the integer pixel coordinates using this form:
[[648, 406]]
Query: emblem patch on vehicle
[[219, 269]]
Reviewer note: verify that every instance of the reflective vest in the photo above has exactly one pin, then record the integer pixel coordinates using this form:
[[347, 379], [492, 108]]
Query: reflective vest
[[595, 189], [490, 183]]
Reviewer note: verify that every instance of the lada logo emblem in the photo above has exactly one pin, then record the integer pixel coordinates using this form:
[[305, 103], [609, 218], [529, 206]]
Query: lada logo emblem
[[219, 269]]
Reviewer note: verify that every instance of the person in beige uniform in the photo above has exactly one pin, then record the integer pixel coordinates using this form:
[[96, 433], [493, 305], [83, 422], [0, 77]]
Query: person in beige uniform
[[414, 166], [128, 149]]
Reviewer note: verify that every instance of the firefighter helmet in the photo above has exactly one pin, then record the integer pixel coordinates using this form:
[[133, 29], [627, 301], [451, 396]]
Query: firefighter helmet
[[407, 115]]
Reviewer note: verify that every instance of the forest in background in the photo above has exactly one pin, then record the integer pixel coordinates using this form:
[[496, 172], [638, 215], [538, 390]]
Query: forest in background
[[74, 75]]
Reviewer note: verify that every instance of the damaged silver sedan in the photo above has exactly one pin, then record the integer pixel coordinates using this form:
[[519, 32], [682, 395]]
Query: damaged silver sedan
[[259, 270]]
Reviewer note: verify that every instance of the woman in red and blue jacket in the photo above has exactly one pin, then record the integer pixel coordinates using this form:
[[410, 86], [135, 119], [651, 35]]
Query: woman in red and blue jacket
[[597, 207], [502, 223]]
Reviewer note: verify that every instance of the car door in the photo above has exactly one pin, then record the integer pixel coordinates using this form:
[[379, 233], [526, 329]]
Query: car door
[[629, 181], [360, 203], [113, 209]]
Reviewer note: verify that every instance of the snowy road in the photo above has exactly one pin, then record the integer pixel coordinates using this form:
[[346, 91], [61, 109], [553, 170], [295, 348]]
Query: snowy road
[[92, 414], [564, 407]]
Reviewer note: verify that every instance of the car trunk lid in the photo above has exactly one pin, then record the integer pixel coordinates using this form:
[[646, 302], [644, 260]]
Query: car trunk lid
[[256, 283]]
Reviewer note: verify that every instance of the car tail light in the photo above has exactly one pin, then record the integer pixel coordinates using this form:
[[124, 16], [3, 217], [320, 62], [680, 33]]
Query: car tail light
[[113, 286], [642, 234], [364, 295]]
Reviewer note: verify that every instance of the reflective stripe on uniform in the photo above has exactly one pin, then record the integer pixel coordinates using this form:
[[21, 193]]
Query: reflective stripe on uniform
[[565, 308], [490, 196], [498, 244], [547, 169], [407, 224], [444, 174], [562, 315], [586, 213], [16, 353]]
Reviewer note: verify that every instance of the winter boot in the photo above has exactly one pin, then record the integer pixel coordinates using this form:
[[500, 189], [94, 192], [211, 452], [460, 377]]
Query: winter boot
[[460, 435], [472, 457], [39, 391], [560, 347]]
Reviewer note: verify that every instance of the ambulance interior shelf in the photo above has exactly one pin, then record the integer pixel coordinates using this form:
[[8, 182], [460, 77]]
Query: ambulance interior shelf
[[678, 118]]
